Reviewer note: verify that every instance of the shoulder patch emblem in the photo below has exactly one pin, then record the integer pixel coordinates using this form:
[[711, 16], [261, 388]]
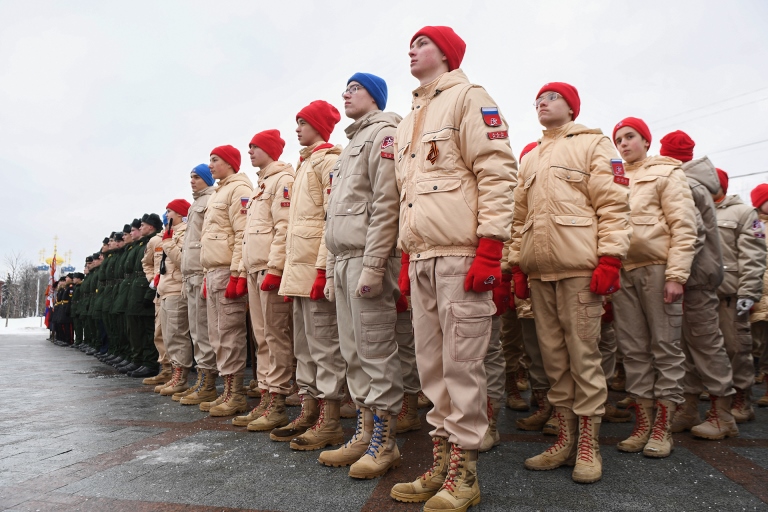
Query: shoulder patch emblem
[[390, 156], [498, 135], [387, 142], [759, 229], [618, 173], [491, 116]]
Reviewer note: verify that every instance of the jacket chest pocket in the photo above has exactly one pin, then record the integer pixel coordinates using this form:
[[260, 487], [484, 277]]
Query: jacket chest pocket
[[572, 183], [314, 187], [728, 233], [439, 150], [353, 163]]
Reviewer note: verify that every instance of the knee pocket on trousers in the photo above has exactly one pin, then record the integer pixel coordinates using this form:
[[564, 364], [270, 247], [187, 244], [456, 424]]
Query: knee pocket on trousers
[[324, 325], [674, 312], [470, 329], [378, 336], [589, 315]]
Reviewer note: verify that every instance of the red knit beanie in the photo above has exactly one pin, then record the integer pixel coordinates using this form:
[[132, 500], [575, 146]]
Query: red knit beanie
[[567, 91], [322, 116], [723, 177], [636, 123], [527, 149], [269, 141], [229, 154], [759, 195], [677, 145], [448, 41], [180, 206]]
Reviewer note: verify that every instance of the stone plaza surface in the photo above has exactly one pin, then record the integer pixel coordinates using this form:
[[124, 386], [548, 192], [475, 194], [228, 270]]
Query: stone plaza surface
[[78, 435]]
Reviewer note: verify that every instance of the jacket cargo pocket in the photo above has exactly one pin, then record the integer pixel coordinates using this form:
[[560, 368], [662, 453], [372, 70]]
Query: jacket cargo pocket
[[216, 250], [674, 312], [590, 309], [353, 165], [470, 329], [439, 150], [378, 333], [305, 246], [439, 199]]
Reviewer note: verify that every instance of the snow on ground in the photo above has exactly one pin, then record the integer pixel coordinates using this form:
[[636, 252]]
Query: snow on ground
[[18, 326]]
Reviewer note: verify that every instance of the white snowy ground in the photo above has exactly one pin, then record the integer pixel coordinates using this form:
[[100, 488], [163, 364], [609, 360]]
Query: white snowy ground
[[17, 326]]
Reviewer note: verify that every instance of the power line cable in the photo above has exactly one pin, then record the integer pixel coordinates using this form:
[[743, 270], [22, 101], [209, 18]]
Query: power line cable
[[737, 147], [715, 112], [710, 105], [745, 175]]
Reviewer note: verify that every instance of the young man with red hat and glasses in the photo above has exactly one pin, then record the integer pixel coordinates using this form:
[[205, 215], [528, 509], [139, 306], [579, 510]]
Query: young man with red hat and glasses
[[173, 303], [263, 261], [759, 316], [570, 232], [648, 307], [225, 284], [455, 174], [320, 369], [742, 236], [707, 367]]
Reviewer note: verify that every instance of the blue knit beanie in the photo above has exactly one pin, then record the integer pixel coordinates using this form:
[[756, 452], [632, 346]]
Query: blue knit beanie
[[204, 172], [375, 86]]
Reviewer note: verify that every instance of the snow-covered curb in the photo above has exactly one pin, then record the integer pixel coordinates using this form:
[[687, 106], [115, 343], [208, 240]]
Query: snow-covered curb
[[19, 326]]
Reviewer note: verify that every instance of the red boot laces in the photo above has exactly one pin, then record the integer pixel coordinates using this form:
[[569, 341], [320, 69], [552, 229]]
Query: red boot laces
[[453, 469], [641, 424], [562, 433], [660, 426], [585, 441]]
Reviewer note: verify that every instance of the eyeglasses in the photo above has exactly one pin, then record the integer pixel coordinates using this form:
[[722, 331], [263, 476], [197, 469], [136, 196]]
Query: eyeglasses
[[550, 96], [352, 89]]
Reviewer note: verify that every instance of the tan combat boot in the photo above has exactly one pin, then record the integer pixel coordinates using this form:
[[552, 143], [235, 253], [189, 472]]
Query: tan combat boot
[[521, 379], [382, 453], [589, 462], [614, 415], [326, 431], [660, 443], [352, 450], [719, 423], [274, 416], [408, 419], [514, 400], [256, 412], [563, 452], [763, 402], [178, 384], [253, 391], [491, 437], [199, 382], [619, 381], [306, 418], [166, 372], [234, 397], [537, 420], [175, 374], [430, 482], [424, 401], [686, 414], [348, 407], [642, 432], [207, 391], [552, 426], [625, 403], [460, 489], [741, 406]]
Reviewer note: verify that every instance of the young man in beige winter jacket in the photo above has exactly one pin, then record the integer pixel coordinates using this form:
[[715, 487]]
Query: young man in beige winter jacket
[[225, 284], [263, 260], [320, 369], [455, 174]]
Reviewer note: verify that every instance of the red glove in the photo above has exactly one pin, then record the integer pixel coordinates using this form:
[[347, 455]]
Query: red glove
[[316, 293], [402, 304], [270, 282], [608, 315], [205, 290], [485, 272], [231, 291], [157, 279], [287, 299], [502, 293], [605, 278], [242, 287], [521, 283], [403, 281], [167, 234]]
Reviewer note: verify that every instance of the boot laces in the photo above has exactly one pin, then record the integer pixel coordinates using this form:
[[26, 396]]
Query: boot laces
[[358, 429], [660, 425], [739, 400], [268, 408], [490, 409], [437, 458], [585, 440], [321, 417], [376, 438], [562, 434], [453, 469], [713, 417], [404, 410], [641, 425], [175, 378], [228, 382], [200, 381]]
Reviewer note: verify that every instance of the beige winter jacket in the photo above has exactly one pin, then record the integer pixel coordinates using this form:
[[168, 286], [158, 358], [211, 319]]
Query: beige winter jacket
[[760, 311], [224, 223], [663, 217], [267, 220], [305, 245], [171, 282], [744, 254], [707, 267], [568, 209], [455, 170], [190, 252], [153, 253], [364, 203]]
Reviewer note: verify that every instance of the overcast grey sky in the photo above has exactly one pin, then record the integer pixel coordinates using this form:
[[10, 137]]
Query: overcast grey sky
[[106, 106]]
